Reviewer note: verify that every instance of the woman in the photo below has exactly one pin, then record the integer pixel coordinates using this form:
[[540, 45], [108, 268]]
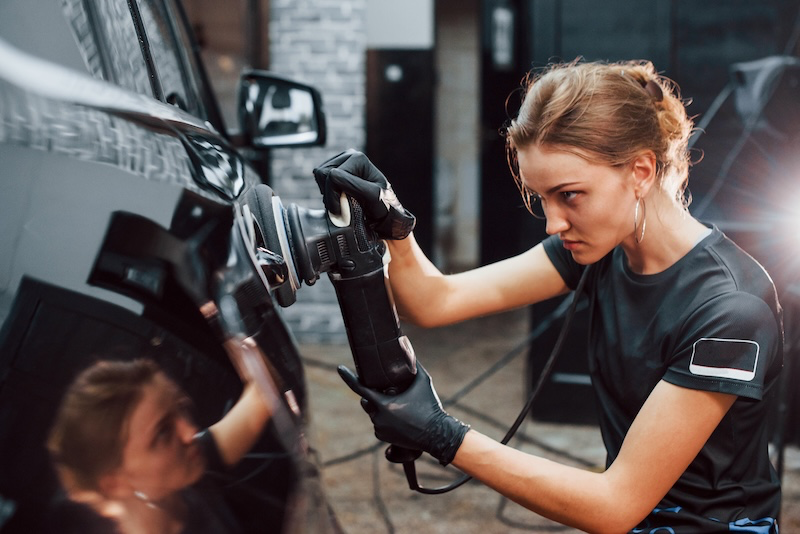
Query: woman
[[125, 446], [685, 328]]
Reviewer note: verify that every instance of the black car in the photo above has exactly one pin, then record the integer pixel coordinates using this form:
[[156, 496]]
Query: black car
[[131, 226]]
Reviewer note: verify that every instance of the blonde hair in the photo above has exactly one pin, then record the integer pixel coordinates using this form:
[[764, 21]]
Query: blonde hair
[[607, 112]]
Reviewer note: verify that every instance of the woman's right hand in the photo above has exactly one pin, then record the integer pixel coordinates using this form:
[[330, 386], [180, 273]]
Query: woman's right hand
[[353, 174]]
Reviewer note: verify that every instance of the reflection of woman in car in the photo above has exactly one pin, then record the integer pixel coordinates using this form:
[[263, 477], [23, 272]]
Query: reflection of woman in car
[[125, 447]]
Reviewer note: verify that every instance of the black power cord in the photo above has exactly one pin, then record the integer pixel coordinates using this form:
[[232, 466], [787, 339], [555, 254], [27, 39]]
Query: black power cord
[[570, 306], [543, 377]]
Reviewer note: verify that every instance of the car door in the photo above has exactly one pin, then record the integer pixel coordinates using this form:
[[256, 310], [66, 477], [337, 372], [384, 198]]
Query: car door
[[91, 167]]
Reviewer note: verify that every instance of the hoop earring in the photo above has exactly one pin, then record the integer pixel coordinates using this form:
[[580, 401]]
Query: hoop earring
[[639, 238], [142, 496]]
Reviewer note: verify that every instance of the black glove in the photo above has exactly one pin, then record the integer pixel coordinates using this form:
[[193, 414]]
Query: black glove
[[413, 419], [354, 174]]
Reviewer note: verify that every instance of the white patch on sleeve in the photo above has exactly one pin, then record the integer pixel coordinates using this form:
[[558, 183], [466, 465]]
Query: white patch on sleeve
[[724, 358]]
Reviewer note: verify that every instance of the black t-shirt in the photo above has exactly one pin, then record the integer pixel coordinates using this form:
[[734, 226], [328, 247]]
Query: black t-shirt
[[711, 322], [208, 513]]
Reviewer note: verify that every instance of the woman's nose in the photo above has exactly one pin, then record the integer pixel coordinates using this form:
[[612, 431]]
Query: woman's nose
[[555, 221]]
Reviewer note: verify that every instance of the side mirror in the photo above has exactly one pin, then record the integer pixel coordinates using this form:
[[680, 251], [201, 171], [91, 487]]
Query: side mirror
[[278, 112]]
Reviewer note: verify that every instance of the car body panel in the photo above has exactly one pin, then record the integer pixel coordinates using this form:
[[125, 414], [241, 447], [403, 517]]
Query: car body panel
[[123, 224]]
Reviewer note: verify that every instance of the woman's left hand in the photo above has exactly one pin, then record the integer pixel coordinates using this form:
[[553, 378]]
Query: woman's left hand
[[413, 419]]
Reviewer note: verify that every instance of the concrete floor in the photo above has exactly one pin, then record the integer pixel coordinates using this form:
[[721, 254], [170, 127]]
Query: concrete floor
[[371, 496]]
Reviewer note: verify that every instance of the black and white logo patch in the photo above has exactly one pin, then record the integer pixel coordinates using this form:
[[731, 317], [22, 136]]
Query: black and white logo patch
[[724, 358]]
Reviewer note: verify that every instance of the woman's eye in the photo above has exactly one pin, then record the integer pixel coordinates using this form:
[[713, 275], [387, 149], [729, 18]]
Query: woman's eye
[[165, 434], [568, 195], [166, 431]]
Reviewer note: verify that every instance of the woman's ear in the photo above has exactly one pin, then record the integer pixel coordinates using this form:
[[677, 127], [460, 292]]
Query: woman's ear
[[644, 173]]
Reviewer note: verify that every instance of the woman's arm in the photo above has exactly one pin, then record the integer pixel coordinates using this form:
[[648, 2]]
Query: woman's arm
[[237, 432], [426, 297], [240, 428], [667, 434]]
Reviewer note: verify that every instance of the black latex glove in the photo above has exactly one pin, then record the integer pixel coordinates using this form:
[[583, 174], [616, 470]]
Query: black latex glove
[[352, 173], [414, 419]]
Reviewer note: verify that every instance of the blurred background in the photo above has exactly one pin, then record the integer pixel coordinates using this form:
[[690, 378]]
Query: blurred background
[[423, 87]]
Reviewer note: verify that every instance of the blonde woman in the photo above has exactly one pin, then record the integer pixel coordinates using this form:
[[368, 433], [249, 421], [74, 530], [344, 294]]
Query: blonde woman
[[685, 328]]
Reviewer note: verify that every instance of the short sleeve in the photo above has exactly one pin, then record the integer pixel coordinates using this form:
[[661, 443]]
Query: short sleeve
[[731, 345], [208, 445]]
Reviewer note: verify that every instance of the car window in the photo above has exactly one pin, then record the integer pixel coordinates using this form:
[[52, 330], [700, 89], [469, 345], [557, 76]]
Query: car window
[[176, 78], [143, 46], [118, 44], [42, 29], [97, 37]]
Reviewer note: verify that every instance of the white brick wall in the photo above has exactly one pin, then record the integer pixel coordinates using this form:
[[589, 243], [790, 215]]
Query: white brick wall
[[322, 43]]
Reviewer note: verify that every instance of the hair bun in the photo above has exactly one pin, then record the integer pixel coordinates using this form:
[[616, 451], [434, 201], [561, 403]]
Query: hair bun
[[654, 90]]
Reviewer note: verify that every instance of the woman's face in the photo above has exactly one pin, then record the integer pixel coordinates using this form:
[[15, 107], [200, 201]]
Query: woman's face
[[160, 456], [589, 206]]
